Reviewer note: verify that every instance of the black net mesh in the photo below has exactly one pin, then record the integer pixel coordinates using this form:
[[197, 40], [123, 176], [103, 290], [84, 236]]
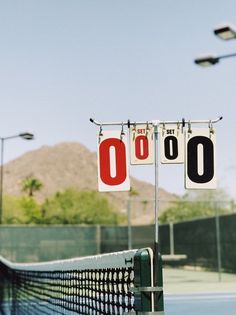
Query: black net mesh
[[89, 291]]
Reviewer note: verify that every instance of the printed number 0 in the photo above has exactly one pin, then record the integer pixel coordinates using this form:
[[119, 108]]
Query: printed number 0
[[171, 148], [105, 161], [207, 172], [141, 148]]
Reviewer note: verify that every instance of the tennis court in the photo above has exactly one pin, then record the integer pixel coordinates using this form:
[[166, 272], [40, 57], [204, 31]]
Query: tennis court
[[204, 304], [194, 292]]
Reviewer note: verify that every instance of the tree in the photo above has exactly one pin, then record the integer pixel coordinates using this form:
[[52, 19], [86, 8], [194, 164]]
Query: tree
[[67, 207], [21, 210], [13, 212], [73, 207], [196, 204], [30, 185], [32, 210]]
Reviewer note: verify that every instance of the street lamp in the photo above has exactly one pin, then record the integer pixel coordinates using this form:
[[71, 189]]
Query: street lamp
[[225, 32], [23, 135]]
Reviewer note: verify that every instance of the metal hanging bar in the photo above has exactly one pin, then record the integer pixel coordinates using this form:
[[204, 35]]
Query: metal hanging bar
[[153, 122]]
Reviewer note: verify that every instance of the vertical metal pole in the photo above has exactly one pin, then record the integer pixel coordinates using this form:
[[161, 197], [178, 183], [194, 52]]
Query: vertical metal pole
[[129, 224], [172, 242], [1, 179], [218, 243], [98, 238], [156, 202], [156, 198]]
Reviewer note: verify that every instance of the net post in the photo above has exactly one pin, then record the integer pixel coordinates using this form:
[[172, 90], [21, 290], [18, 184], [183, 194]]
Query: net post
[[158, 280], [142, 278]]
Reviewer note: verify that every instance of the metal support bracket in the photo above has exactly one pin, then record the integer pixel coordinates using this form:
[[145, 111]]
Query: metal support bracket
[[146, 289]]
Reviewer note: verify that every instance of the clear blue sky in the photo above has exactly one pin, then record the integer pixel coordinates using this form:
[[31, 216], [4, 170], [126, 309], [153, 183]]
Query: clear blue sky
[[64, 61]]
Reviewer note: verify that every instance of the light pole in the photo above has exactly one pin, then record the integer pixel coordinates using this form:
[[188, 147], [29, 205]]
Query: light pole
[[224, 32], [23, 135]]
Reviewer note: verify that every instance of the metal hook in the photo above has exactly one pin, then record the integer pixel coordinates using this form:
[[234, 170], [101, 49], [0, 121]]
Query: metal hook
[[128, 123], [189, 127], [134, 130], [210, 125], [147, 128], [183, 124], [100, 131], [178, 127], [163, 128], [100, 134], [122, 131]]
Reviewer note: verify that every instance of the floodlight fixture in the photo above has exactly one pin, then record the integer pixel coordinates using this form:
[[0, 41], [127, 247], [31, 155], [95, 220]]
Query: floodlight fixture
[[26, 135], [225, 32], [211, 60], [206, 61]]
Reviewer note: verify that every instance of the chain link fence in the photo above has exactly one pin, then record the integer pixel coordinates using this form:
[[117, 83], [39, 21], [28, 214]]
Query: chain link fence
[[207, 242]]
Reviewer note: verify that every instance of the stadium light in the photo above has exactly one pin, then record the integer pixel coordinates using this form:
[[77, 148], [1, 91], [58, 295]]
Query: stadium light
[[206, 61], [225, 32], [211, 60], [23, 135]]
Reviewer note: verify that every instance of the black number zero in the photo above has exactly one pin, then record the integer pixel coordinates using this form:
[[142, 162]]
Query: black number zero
[[171, 147], [208, 160]]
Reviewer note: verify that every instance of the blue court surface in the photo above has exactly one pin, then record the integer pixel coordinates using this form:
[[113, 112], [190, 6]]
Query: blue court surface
[[201, 304], [189, 304], [192, 291]]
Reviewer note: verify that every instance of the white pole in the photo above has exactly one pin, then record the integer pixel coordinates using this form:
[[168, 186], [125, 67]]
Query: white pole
[[156, 198]]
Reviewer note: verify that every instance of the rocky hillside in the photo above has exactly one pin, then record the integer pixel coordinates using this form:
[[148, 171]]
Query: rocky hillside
[[73, 165]]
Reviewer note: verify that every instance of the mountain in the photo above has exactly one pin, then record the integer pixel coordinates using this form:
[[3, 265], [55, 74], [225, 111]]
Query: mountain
[[71, 164]]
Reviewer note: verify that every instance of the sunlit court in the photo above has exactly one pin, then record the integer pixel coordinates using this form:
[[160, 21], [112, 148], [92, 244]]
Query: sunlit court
[[199, 292]]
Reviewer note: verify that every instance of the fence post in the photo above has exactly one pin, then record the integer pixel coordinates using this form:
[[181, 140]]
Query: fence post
[[98, 238], [172, 242], [129, 224], [218, 242]]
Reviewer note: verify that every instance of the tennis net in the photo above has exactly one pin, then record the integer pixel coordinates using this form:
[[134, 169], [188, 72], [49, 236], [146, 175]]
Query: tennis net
[[89, 285]]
